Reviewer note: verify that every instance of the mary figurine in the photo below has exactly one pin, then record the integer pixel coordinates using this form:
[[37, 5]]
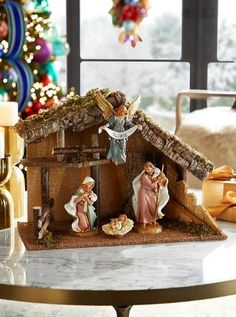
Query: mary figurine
[[81, 207]]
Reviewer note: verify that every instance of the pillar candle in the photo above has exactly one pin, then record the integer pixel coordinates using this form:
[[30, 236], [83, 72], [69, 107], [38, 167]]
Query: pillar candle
[[8, 114], [2, 147]]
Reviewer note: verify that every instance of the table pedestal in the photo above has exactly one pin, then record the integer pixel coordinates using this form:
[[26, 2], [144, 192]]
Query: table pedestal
[[122, 311]]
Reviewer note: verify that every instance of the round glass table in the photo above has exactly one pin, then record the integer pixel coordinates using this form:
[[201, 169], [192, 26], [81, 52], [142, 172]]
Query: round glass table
[[119, 276]]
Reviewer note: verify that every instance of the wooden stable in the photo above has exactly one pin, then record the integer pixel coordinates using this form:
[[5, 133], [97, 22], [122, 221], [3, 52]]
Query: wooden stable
[[50, 176]]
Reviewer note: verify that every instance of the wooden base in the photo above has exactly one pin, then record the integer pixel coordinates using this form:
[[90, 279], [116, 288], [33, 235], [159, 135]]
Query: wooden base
[[61, 231], [148, 228]]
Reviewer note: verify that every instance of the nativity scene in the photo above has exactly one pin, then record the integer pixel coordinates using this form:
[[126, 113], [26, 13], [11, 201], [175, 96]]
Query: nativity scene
[[127, 187]]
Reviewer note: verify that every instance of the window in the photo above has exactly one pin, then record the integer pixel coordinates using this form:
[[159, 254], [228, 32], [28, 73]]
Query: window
[[222, 76], [160, 31], [151, 68], [179, 51], [156, 82]]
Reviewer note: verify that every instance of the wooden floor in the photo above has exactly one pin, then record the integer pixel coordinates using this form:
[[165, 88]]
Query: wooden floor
[[66, 239]]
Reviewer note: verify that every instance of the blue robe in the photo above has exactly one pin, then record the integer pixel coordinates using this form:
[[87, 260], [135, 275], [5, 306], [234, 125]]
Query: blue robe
[[117, 150]]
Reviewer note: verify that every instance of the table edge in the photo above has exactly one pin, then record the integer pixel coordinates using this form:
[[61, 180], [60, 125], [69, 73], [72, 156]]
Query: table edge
[[116, 298]]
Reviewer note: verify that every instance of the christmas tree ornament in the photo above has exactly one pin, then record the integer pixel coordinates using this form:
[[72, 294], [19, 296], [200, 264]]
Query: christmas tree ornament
[[28, 111], [36, 106], [46, 79], [127, 15], [41, 5], [16, 27], [50, 70], [44, 51], [16, 75], [29, 45], [3, 29], [3, 95], [59, 48], [24, 83]]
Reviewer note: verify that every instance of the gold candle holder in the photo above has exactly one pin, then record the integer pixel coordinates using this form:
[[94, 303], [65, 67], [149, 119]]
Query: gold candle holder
[[6, 201], [11, 178], [16, 186], [5, 169], [14, 144]]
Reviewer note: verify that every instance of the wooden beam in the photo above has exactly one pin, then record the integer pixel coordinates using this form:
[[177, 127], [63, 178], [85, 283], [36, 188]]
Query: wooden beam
[[44, 186]]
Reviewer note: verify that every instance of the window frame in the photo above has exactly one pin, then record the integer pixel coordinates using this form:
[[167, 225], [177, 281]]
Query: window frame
[[198, 44]]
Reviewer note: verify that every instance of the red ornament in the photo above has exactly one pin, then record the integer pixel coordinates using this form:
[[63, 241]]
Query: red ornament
[[130, 12], [36, 106], [4, 29], [142, 10], [46, 79], [28, 111]]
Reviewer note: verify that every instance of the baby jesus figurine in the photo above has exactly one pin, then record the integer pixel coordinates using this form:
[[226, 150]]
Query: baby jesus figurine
[[150, 197], [118, 227]]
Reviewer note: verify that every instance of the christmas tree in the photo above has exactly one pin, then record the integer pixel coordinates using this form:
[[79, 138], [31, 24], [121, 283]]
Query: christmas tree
[[29, 46]]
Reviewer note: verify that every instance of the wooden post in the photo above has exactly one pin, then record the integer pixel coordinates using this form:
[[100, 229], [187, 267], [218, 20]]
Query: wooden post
[[44, 227], [74, 150], [37, 213], [95, 176], [44, 186], [60, 143]]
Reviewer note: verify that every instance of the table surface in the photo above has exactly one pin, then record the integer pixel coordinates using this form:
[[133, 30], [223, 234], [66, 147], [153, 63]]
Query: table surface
[[134, 274]]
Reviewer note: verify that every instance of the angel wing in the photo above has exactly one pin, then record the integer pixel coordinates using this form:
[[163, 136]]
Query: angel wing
[[104, 105], [133, 107]]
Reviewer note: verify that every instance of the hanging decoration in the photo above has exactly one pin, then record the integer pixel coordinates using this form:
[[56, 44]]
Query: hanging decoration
[[24, 83], [16, 29], [29, 46], [15, 75], [127, 15]]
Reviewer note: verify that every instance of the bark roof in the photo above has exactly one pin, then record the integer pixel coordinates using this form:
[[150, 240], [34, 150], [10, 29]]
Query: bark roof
[[82, 112]]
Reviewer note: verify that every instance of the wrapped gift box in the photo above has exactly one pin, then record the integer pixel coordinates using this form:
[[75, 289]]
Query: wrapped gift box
[[212, 194]]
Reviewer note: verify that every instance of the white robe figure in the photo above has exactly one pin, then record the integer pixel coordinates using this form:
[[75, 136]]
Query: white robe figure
[[83, 211], [147, 202]]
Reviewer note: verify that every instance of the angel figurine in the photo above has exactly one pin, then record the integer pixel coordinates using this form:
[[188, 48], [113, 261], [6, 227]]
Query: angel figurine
[[118, 118]]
